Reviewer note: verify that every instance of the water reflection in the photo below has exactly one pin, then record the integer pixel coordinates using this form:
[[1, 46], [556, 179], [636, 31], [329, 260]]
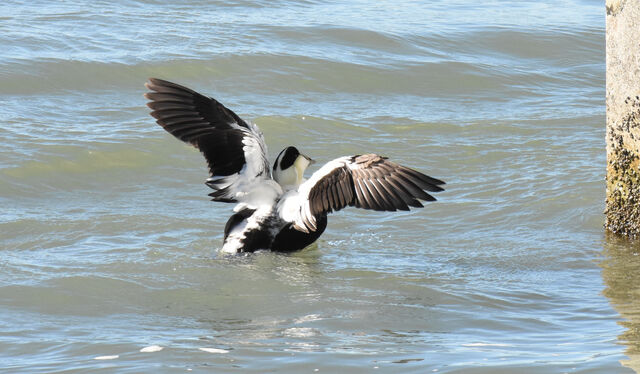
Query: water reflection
[[621, 275]]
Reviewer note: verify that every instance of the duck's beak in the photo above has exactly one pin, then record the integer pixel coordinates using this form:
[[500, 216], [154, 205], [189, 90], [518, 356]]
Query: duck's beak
[[301, 164], [311, 161]]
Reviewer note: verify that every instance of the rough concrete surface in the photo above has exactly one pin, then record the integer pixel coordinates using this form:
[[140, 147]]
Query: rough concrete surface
[[623, 117]]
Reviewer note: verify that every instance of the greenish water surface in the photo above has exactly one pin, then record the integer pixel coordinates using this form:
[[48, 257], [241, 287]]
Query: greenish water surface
[[109, 242]]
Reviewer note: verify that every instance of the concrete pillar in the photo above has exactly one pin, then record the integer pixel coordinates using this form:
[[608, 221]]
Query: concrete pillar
[[623, 117]]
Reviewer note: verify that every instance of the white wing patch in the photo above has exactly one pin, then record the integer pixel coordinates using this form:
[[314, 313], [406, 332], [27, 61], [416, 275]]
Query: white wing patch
[[294, 205], [254, 172], [255, 155]]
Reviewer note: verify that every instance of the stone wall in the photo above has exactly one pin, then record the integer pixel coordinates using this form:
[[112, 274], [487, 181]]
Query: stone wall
[[623, 117]]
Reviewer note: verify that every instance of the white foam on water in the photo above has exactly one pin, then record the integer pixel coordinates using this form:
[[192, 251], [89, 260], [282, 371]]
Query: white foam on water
[[214, 350], [151, 348]]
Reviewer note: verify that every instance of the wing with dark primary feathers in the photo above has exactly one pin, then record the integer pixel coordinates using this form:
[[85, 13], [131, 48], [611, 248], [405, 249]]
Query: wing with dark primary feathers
[[364, 181], [234, 149]]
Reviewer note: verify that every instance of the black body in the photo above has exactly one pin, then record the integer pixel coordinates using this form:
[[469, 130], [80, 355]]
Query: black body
[[290, 239], [287, 240]]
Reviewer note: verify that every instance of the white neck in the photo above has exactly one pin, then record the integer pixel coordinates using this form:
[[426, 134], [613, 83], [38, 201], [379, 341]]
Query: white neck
[[287, 178], [293, 176]]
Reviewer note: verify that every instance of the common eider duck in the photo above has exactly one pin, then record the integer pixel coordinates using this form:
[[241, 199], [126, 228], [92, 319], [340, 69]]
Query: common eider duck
[[277, 209]]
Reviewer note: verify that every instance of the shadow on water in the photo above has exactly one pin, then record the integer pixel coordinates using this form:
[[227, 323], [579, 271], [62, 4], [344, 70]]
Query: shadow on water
[[621, 275]]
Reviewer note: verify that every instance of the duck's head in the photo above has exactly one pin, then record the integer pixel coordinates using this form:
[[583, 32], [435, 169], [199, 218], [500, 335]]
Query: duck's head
[[288, 170]]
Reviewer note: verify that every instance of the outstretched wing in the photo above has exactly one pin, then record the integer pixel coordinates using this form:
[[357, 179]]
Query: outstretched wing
[[364, 181], [234, 149]]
